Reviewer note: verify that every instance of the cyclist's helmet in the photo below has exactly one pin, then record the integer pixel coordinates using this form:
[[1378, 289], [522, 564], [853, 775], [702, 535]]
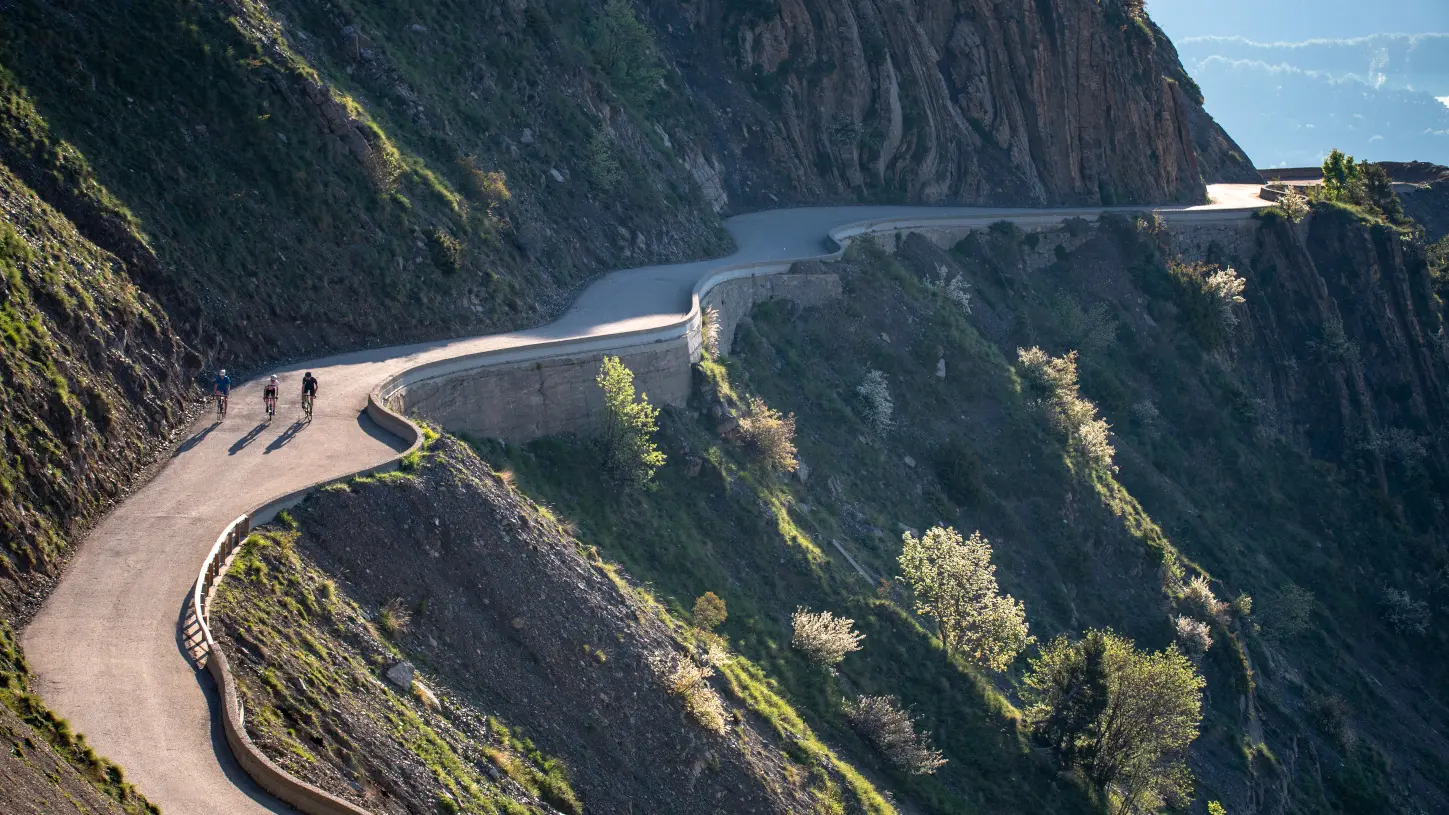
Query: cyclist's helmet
[[274, 378], [309, 373], [223, 372]]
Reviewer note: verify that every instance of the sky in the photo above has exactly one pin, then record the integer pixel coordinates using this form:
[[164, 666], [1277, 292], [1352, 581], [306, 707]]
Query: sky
[[1297, 20]]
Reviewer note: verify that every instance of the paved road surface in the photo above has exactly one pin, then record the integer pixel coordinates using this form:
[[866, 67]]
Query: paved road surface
[[107, 649]]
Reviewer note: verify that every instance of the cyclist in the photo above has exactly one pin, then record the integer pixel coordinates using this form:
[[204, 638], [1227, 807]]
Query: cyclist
[[309, 393], [269, 396], [221, 389]]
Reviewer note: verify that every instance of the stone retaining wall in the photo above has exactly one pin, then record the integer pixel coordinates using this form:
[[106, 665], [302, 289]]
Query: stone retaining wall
[[520, 401]]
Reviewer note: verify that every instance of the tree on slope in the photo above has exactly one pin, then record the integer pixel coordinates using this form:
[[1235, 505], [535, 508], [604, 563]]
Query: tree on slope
[[1124, 717], [630, 455], [955, 584]]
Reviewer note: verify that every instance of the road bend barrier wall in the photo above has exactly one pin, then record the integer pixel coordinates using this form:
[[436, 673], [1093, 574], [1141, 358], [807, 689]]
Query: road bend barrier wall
[[518, 395], [271, 777]]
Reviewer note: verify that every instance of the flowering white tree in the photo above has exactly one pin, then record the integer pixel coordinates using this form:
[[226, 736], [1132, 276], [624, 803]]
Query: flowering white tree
[[893, 732], [954, 583], [824, 637]]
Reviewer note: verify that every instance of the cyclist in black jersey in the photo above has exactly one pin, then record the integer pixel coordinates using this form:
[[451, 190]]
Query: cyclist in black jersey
[[309, 393]]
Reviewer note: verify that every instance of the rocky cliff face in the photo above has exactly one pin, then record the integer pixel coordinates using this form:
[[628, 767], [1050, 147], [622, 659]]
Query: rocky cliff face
[[937, 101], [1350, 343]]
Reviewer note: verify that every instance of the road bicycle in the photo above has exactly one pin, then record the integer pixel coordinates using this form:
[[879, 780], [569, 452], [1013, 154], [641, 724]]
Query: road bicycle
[[220, 406], [307, 406], [271, 407]]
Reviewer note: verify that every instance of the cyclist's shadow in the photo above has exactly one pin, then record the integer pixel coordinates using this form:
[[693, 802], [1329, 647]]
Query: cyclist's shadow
[[250, 437], [287, 435]]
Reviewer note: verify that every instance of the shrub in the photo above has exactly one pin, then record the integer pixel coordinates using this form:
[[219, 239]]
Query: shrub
[[1242, 606], [394, 617], [824, 637], [1124, 717], [603, 169], [1089, 330], [878, 406], [954, 289], [892, 731], [1198, 599], [709, 612], [1208, 296], [1225, 287], [624, 48], [709, 332], [1193, 636], [1292, 205], [1404, 613], [446, 251], [630, 455], [954, 583], [769, 437], [1055, 379], [1329, 713], [690, 682], [1287, 612]]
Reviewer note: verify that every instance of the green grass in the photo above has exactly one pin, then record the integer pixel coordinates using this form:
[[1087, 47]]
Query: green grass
[[1205, 487], [276, 602]]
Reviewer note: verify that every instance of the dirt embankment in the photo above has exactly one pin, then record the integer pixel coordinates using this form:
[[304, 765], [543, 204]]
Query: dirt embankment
[[508, 621]]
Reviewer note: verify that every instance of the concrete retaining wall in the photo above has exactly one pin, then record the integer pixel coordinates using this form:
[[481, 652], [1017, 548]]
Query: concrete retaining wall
[[518, 401]]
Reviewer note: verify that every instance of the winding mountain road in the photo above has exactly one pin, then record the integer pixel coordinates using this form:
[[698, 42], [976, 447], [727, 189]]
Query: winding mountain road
[[106, 648]]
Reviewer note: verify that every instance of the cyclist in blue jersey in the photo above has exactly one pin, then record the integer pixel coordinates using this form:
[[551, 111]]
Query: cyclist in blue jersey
[[221, 389]]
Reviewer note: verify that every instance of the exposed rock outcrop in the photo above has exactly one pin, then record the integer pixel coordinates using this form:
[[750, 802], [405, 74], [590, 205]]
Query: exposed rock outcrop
[[937, 101]]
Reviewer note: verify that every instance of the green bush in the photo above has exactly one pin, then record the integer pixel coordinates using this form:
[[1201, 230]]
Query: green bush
[[446, 251], [624, 48]]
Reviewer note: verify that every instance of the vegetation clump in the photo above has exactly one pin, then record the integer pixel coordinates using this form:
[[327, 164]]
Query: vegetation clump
[[769, 437], [892, 731], [954, 583], [1198, 599], [709, 332], [953, 288], [630, 455], [624, 48], [688, 680], [1193, 636], [709, 612], [1055, 379], [1404, 613], [1124, 717], [876, 402], [1287, 612], [394, 617], [1209, 296], [1292, 205], [822, 637]]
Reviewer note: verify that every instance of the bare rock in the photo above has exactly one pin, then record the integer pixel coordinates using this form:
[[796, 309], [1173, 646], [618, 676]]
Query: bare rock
[[401, 675]]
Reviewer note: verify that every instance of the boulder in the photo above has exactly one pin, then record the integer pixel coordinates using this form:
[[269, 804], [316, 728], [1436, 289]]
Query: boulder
[[401, 675]]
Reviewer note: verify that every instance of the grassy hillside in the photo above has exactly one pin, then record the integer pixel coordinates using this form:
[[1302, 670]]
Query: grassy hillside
[[551, 678], [293, 178], [1241, 455]]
